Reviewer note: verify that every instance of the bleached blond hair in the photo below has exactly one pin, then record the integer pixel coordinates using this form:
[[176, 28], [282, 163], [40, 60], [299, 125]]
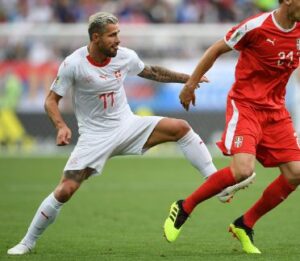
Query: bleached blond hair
[[98, 22]]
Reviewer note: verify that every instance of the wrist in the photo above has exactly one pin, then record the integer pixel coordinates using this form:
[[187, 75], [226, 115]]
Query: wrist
[[191, 86], [60, 125]]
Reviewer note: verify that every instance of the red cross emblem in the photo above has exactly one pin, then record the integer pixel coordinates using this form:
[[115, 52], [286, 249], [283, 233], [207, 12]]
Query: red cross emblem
[[118, 74]]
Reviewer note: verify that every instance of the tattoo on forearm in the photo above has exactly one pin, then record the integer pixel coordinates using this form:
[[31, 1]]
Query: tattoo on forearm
[[161, 74]]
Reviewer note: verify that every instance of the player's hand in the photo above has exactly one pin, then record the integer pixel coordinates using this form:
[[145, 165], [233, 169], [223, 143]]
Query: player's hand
[[203, 79], [187, 96], [64, 135]]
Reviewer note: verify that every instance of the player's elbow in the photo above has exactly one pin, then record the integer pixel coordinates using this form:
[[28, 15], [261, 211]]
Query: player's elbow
[[48, 104], [51, 100]]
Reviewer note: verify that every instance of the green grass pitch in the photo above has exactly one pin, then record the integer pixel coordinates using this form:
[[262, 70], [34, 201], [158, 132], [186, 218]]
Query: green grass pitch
[[119, 215]]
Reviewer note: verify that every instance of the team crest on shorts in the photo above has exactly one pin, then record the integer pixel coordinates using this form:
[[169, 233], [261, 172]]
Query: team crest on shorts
[[238, 141]]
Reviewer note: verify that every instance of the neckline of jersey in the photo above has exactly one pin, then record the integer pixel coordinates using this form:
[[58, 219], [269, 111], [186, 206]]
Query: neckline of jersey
[[93, 62], [278, 25]]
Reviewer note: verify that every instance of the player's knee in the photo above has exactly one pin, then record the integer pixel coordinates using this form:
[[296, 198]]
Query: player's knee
[[291, 171], [181, 128], [243, 171], [293, 177], [295, 180], [64, 191]]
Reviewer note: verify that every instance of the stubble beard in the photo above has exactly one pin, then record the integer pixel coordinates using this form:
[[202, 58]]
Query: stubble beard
[[108, 52]]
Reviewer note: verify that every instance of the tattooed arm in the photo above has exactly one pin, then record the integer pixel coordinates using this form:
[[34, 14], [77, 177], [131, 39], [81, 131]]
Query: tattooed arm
[[161, 74]]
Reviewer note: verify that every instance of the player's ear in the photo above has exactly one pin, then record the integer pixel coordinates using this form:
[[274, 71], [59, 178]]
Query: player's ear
[[288, 2], [96, 36]]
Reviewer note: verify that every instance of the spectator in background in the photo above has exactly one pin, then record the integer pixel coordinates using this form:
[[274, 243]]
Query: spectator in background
[[226, 10], [245, 8], [158, 11], [12, 132], [131, 11], [39, 11], [63, 11], [42, 70], [14, 10], [188, 11]]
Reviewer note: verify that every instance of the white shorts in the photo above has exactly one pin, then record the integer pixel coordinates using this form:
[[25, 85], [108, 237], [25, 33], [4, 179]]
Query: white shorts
[[93, 150]]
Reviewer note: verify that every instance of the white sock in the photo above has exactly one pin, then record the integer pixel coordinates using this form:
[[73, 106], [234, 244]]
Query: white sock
[[44, 216], [197, 153]]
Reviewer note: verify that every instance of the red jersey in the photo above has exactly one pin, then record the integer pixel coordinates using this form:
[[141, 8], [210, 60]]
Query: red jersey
[[268, 56]]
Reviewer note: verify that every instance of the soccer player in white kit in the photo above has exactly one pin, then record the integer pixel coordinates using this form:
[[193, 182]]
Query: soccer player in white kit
[[107, 126]]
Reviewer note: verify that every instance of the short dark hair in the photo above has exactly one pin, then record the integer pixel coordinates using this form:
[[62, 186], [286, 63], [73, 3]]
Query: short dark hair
[[280, 1], [98, 22]]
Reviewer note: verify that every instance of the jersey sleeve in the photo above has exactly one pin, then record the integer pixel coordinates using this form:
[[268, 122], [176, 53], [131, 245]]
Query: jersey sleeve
[[237, 37], [136, 65], [246, 33], [64, 79]]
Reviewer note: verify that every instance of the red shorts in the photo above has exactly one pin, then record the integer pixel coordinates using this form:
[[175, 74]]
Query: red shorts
[[268, 134]]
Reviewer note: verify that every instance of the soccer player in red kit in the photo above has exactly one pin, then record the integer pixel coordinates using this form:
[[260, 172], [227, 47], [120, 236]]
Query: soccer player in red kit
[[258, 124]]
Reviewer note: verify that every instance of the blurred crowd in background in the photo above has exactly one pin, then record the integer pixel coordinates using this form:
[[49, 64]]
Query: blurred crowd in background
[[128, 11], [132, 11]]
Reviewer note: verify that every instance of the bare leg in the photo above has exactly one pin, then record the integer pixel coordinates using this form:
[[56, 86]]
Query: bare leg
[[50, 208]]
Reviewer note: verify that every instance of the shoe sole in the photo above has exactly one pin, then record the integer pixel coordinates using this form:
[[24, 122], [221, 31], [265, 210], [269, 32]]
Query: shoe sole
[[235, 188]]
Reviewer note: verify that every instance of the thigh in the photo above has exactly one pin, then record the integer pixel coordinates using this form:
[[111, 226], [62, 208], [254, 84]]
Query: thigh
[[168, 129]]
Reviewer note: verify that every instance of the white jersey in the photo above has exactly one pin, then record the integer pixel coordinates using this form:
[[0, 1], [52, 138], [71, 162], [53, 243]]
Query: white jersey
[[99, 98]]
